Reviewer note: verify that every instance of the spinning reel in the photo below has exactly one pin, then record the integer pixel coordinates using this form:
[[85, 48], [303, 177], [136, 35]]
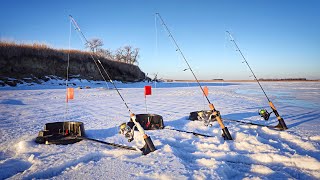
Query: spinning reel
[[264, 114], [127, 131], [207, 117]]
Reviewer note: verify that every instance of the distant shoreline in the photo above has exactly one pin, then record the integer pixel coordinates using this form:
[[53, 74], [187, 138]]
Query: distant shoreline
[[243, 80]]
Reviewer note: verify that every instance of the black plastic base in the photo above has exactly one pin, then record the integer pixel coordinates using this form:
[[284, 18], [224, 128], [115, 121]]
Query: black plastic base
[[64, 133], [282, 125], [57, 139], [148, 121], [226, 135], [148, 147], [61, 133]]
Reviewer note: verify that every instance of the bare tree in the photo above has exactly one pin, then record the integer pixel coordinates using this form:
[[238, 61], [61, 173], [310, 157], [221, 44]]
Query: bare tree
[[106, 53], [127, 54], [120, 55], [135, 56], [155, 77], [94, 44]]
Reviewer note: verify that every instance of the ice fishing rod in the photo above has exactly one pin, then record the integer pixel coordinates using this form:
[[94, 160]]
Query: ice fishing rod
[[282, 125], [215, 113], [97, 60], [149, 146]]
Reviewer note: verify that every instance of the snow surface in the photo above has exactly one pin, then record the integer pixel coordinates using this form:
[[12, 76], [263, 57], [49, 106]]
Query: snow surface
[[255, 152]]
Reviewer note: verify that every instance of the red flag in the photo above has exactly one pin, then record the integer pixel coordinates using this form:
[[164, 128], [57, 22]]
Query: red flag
[[147, 90], [206, 91]]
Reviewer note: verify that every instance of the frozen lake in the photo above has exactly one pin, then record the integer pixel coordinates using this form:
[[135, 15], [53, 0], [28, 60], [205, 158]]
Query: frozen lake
[[255, 152]]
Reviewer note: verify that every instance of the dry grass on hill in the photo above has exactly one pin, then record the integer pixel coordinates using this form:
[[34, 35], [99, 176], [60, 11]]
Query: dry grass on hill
[[39, 60]]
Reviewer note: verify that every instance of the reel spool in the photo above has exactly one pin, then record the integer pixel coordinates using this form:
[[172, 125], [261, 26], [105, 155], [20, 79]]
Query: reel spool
[[127, 131], [147, 121], [264, 114], [199, 115], [205, 115]]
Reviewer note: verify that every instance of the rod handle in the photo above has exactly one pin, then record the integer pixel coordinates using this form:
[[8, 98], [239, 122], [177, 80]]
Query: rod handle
[[211, 106], [272, 106], [139, 127]]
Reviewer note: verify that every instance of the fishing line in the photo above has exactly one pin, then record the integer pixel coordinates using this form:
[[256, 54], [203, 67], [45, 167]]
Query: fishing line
[[69, 54], [156, 30], [178, 49], [226, 134], [236, 45], [68, 64], [149, 146], [85, 41], [97, 60], [145, 102], [264, 113]]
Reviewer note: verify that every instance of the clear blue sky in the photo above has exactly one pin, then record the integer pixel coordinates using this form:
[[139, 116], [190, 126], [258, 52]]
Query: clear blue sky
[[280, 39]]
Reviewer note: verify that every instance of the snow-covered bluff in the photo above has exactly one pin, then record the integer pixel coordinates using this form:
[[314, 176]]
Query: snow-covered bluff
[[25, 63]]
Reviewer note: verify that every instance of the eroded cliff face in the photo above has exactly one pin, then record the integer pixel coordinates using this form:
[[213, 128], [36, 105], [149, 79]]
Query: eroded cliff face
[[21, 63]]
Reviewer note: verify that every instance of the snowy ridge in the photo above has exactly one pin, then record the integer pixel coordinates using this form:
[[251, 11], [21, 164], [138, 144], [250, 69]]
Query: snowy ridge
[[255, 153]]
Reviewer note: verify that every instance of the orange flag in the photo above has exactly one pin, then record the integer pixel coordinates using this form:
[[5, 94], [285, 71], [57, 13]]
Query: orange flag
[[70, 93], [206, 91]]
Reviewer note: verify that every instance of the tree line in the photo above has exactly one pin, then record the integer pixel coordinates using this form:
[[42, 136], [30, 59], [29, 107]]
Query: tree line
[[284, 79], [126, 54]]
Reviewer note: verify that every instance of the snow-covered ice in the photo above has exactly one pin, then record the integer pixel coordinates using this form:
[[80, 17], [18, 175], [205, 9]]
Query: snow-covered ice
[[255, 152]]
